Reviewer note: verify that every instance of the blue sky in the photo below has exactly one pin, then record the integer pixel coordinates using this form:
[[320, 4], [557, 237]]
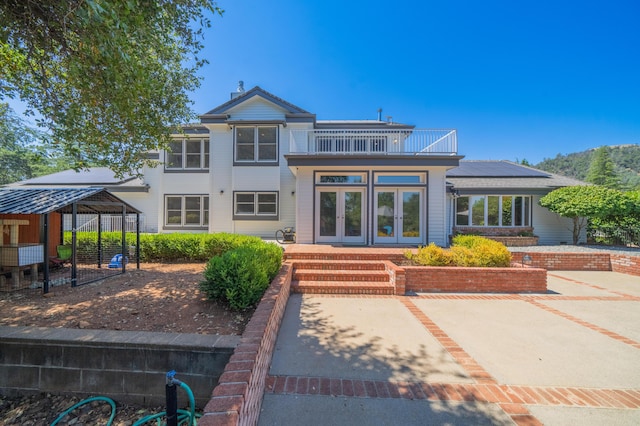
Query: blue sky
[[518, 80]]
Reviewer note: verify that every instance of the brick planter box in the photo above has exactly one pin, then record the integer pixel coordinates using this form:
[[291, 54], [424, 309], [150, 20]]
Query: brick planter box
[[515, 241], [436, 279]]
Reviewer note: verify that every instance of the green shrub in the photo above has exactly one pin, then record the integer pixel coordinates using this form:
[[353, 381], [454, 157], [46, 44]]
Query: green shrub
[[175, 247], [431, 255], [240, 276], [466, 250]]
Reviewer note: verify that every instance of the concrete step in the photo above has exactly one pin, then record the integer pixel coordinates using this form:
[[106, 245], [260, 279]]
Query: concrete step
[[340, 275], [342, 287]]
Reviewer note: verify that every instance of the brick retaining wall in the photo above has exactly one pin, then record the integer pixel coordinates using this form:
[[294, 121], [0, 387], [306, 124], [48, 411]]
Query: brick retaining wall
[[475, 280], [238, 397], [625, 264]]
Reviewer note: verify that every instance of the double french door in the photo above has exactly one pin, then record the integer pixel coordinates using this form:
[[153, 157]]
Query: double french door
[[340, 215], [398, 216]]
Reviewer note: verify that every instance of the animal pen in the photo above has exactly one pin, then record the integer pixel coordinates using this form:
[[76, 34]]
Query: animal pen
[[37, 253]]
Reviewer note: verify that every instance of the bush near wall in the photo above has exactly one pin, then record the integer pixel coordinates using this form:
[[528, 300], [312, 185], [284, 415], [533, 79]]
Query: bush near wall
[[176, 247], [466, 250]]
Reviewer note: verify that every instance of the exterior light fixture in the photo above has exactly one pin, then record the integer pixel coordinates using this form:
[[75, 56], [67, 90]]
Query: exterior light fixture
[[526, 260]]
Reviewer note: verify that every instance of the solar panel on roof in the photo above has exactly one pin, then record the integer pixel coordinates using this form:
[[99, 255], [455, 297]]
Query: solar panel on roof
[[493, 169]]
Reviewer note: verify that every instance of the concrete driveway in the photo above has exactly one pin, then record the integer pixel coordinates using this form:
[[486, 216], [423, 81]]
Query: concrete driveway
[[571, 356]]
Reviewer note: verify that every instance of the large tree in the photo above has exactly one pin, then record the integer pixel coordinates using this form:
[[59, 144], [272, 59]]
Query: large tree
[[108, 80], [581, 203], [602, 169]]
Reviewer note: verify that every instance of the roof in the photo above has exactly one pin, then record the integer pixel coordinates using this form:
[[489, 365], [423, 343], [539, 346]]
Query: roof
[[504, 176], [257, 91], [360, 124], [95, 176], [19, 200]]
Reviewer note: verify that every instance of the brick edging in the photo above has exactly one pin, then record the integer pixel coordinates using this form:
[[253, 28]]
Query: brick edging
[[237, 398]]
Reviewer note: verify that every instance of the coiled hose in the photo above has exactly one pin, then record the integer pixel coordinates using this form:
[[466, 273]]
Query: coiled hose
[[188, 418]]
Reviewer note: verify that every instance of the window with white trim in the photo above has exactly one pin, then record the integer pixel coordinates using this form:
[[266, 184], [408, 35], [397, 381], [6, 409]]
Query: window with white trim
[[186, 211], [256, 144], [252, 205], [493, 210], [187, 154]]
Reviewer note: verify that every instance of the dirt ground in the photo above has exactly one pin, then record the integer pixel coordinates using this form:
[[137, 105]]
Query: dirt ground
[[158, 297]]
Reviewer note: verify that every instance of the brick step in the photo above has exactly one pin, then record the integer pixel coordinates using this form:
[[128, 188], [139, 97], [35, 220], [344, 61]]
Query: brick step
[[341, 256], [340, 275], [342, 287], [357, 265]]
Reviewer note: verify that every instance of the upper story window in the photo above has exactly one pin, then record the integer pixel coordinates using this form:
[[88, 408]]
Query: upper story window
[[256, 144], [187, 154], [493, 210]]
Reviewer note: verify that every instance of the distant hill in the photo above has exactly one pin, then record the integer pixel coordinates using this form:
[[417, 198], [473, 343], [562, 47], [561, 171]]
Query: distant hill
[[576, 165]]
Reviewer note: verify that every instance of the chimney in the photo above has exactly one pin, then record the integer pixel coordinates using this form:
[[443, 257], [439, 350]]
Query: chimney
[[379, 114], [239, 91]]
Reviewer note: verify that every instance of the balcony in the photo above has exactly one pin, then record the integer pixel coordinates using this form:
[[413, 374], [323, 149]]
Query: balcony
[[373, 142]]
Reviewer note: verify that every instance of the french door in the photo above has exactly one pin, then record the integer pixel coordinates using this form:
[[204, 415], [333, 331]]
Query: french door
[[340, 215], [398, 216]]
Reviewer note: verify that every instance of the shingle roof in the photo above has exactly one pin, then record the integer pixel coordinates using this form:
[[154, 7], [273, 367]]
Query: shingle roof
[[257, 91], [505, 176], [61, 200]]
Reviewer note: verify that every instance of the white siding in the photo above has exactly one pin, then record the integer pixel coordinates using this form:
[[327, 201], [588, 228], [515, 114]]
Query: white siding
[[256, 108], [551, 228], [437, 209], [304, 208]]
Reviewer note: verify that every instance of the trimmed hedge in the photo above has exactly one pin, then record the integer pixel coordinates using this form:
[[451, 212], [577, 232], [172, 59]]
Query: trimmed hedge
[[165, 248], [466, 250]]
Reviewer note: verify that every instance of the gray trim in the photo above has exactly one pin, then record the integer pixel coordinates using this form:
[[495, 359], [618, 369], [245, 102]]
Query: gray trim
[[256, 162], [502, 191], [377, 125], [152, 156], [144, 188], [255, 122], [300, 118], [199, 130], [256, 91], [169, 171], [185, 228], [372, 160], [213, 118], [254, 217]]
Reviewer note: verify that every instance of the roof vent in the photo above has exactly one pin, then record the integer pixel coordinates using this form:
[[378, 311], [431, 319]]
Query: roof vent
[[239, 91]]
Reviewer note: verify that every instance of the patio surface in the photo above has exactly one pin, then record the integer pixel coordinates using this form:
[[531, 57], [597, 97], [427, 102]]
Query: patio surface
[[571, 356]]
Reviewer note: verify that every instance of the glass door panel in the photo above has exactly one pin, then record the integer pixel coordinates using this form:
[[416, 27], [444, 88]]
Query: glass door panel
[[398, 216], [340, 215], [353, 214], [386, 216], [410, 214], [328, 214]]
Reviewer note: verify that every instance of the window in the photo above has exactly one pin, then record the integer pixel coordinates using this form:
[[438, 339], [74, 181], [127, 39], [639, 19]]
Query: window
[[491, 210], [256, 205], [187, 154], [256, 144], [187, 211]]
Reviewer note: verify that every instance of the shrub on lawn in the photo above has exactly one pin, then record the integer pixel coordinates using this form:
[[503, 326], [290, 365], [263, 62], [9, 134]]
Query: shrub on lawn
[[240, 276], [466, 250]]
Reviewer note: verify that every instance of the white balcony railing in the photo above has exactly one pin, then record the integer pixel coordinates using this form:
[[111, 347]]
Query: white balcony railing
[[374, 142]]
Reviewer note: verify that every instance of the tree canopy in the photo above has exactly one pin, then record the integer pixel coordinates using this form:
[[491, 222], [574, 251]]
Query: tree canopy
[[602, 169], [108, 80], [581, 203], [23, 155]]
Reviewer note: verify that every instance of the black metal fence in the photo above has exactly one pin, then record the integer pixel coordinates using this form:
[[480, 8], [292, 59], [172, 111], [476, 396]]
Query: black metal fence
[[614, 236]]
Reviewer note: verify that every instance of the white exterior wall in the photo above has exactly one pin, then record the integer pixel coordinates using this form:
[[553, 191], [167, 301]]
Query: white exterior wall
[[437, 208], [550, 227], [221, 179], [304, 208]]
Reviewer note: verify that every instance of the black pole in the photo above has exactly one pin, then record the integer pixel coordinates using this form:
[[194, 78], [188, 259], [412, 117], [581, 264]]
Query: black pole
[[99, 241], [138, 240], [45, 277], [171, 393], [74, 245], [125, 251]]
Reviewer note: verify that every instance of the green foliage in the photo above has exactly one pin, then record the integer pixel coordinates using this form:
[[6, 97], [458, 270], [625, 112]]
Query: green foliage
[[431, 255], [466, 250], [23, 155], [175, 247], [626, 160], [602, 170], [581, 203], [109, 80], [240, 276]]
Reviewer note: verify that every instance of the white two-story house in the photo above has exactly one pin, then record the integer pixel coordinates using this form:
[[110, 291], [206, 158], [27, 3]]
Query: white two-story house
[[257, 163]]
